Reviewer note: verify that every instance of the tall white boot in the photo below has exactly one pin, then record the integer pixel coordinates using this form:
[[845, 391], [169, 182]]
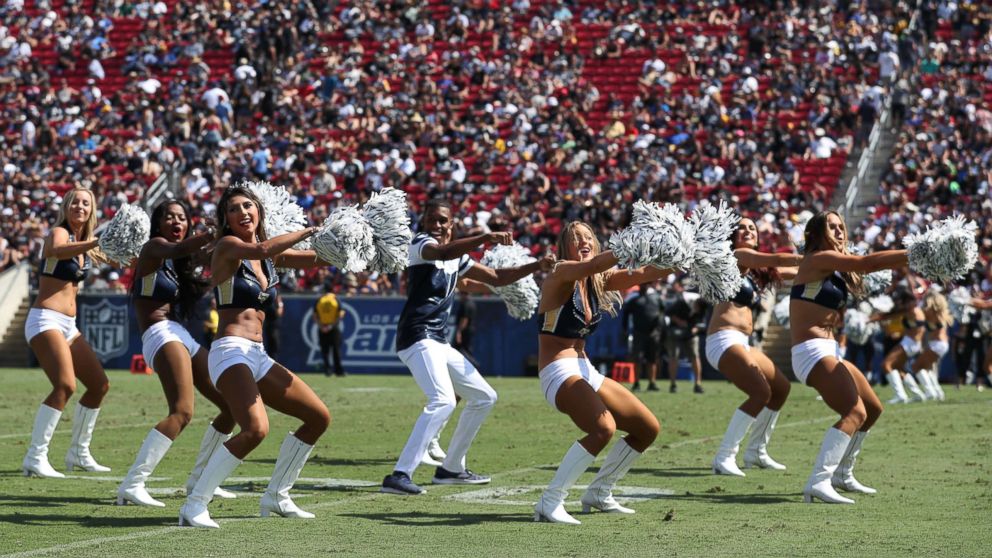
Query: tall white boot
[[914, 387], [895, 380], [83, 421], [36, 461], [212, 439], [844, 475], [292, 456], [923, 379], [194, 512], [551, 506], [725, 461], [832, 451], [132, 489], [756, 451], [599, 494], [935, 379]]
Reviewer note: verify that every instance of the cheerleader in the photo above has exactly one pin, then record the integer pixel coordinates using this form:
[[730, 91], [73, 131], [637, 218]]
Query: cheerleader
[[62, 352], [164, 291], [579, 290], [244, 277], [827, 276], [927, 366], [437, 266], [728, 350], [901, 357]]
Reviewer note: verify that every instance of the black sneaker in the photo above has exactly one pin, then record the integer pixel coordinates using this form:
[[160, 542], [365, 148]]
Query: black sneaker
[[444, 476], [673, 388], [698, 388], [653, 387], [400, 483], [636, 386]]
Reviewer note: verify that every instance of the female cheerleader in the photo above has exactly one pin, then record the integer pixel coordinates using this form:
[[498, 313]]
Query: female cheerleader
[[901, 357], [244, 277], [166, 290], [439, 265], [728, 351], [62, 352], [826, 276], [580, 288], [927, 365]]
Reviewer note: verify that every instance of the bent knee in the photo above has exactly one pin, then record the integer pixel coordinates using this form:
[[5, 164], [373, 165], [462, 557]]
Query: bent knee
[[603, 430], [255, 432], [64, 390], [441, 404], [858, 414], [321, 419], [650, 429]]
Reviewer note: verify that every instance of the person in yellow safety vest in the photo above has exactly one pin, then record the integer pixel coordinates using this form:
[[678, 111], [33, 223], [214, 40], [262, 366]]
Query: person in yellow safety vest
[[328, 314], [210, 325]]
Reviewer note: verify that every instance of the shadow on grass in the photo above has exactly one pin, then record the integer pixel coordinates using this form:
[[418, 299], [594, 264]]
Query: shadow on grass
[[337, 462], [54, 520], [724, 498], [33, 501], [420, 518], [674, 472]]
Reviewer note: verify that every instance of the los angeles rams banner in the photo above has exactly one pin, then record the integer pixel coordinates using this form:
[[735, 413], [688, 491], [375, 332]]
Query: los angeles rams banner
[[502, 345]]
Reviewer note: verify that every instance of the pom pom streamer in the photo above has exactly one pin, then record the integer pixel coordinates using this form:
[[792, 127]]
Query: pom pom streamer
[[944, 252], [877, 282], [522, 296], [282, 213], [882, 303], [714, 267], [781, 311], [386, 213], [959, 304], [857, 327], [658, 235], [126, 234], [345, 240]]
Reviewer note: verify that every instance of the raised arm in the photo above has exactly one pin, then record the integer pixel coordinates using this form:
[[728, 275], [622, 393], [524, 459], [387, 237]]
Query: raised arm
[[752, 259], [571, 271], [507, 275], [236, 249], [57, 245], [458, 248], [830, 260], [162, 249]]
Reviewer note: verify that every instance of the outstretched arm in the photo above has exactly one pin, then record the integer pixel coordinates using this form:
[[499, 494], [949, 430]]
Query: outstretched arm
[[752, 259], [236, 249], [161, 249], [507, 275], [298, 259], [472, 286], [830, 260], [620, 280], [458, 248], [58, 246]]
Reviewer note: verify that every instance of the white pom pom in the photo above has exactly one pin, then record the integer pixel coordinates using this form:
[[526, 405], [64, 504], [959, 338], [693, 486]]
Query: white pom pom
[[714, 267], [126, 234], [959, 303], [781, 311], [345, 240], [882, 303], [521, 297], [944, 252], [658, 235], [857, 327], [387, 213], [877, 282], [282, 213]]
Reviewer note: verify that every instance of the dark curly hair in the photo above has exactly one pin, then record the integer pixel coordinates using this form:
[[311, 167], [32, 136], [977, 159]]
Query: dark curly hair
[[191, 287]]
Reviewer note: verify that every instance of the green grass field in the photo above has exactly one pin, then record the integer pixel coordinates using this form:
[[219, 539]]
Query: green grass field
[[929, 461]]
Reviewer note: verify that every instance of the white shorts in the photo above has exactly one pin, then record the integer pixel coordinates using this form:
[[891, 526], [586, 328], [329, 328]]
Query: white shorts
[[939, 347], [806, 354], [555, 374], [41, 319], [228, 351], [719, 342], [160, 333], [911, 347]]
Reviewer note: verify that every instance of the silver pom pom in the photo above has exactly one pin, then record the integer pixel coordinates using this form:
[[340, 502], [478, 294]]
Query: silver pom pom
[[857, 327], [521, 297], [658, 235], [714, 267], [282, 213], [345, 240], [877, 282], [781, 311], [959, 304], [387, 213], [126, 234], [882, 303], [944, 252]]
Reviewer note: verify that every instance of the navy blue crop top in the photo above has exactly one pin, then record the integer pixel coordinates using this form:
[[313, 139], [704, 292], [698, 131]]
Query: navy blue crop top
[[748, 295], [569, 319], [910, 323], [69, 269], [829, 292], [243, 289], [161, 285]]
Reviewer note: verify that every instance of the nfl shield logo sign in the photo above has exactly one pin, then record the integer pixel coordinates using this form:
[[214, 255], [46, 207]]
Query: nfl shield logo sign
[[105, 327]]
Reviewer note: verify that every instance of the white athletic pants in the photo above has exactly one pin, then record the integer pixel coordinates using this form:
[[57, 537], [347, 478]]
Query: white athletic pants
[[441, 372]]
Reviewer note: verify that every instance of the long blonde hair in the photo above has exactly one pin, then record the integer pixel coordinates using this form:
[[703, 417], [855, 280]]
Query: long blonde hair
[[610, 301], [62, 220], [937, 303], [816, 238]]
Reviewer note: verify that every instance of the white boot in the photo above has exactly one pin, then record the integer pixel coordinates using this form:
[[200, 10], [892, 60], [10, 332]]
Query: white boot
[[599, 494], [935, 379], [756, 451], [832, 451], [212, 438], [914, 387], [434, 455], [132, 489], [83, 421], [844, 475], [194, 512], [36, 461], [725, 461], [292, 456], [923, 378], [551, 506], [895, 380]]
